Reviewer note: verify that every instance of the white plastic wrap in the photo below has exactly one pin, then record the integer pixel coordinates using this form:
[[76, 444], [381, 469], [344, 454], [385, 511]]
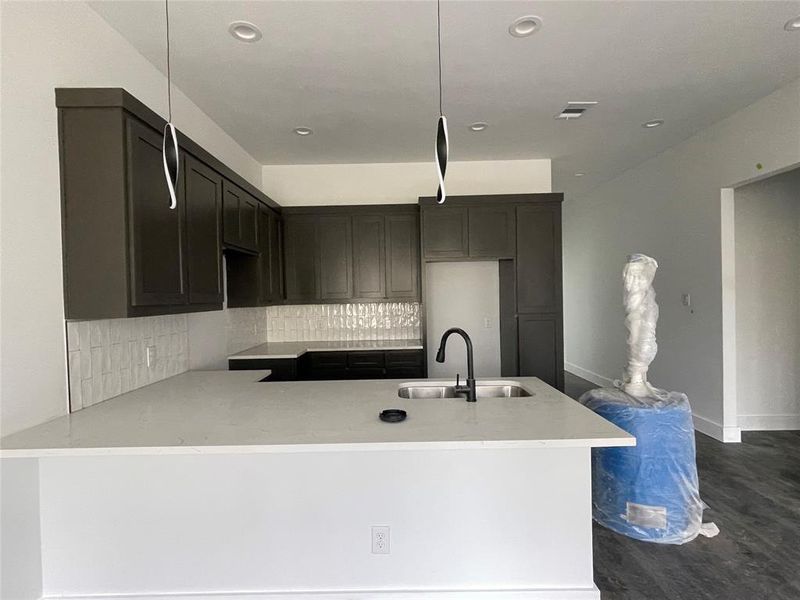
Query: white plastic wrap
[[641, 317], [648, 492]]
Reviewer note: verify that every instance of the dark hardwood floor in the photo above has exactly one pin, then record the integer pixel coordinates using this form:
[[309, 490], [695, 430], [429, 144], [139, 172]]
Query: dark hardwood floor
[[753, 491]]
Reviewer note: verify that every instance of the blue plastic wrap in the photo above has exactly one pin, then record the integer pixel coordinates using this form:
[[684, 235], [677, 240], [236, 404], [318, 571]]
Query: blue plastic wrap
[[650, 491]]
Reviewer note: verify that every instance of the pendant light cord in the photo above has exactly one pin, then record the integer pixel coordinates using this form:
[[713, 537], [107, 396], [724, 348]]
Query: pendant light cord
[[169, 79], [439, 42]]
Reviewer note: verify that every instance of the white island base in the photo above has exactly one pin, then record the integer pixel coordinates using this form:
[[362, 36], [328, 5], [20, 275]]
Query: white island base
[[468, 520]]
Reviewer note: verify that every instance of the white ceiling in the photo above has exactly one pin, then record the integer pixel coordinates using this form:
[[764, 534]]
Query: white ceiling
[[363, 75]]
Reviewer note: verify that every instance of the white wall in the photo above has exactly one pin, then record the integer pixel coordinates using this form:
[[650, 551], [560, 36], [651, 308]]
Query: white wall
[[464, 294], [669, 207], [73, 47], [767, 217], [387, 183], [21, 541], [300, 522]]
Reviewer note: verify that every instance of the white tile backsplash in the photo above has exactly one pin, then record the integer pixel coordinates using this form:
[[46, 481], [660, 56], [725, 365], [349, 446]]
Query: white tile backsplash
[[108, 358], [248, 327]]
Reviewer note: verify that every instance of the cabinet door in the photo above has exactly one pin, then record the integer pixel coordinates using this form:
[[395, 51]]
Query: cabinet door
[[445, 232], [301, 257], [402, 256], [539, 259], [335, 256], [240, 218], [369, 256], [276, 258], [269, 259], [540, 348], [248, 215], [492, 231], [156, 232], [265, 255], [204, 252]]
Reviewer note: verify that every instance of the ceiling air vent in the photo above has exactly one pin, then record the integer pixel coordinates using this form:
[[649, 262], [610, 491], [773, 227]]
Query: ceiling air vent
[[574, 110]]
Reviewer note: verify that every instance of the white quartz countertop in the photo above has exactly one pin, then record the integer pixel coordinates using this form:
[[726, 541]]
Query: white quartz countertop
[[232, 412], [297, 349]]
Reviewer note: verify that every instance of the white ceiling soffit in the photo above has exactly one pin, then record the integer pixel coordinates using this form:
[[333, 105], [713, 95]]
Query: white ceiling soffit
[[363, 75]]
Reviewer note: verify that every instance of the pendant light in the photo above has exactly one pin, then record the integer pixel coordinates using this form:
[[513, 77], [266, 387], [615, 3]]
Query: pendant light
[[442, 144], [169, 145]]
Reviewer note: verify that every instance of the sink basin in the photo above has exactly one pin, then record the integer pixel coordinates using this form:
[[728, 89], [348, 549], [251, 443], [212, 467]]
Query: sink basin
[[441, 389]]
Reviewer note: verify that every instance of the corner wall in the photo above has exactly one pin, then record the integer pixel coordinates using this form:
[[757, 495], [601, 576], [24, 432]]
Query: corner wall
[[74, 46], [768, 302], [670, 208]]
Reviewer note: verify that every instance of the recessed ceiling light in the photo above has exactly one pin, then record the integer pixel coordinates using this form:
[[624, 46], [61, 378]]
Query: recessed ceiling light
[[244, 31], [653, 123], [303, 131], [792, 24], [479, 126], [525, 26], [579, 174]]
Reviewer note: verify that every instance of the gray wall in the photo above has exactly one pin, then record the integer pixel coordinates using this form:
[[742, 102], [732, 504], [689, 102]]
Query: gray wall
[[464, 294], [767, 215]]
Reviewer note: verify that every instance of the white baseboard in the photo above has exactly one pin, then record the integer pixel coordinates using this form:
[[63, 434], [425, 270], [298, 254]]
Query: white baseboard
[[769, 422], [538, 594], [717, 431], [701, 424], [588, 375]]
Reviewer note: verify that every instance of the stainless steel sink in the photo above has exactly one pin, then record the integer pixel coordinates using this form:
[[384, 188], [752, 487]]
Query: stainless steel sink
[[440, 389]]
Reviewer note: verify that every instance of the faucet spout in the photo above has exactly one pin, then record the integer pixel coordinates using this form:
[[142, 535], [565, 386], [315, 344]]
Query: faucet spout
[[469, 389]]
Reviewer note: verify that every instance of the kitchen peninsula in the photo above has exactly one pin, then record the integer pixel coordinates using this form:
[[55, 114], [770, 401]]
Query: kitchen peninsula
[[214, 481]]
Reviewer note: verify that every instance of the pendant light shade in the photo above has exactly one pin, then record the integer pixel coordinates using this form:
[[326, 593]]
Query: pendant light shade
[[442, 147], [169, 152], [169, 145]]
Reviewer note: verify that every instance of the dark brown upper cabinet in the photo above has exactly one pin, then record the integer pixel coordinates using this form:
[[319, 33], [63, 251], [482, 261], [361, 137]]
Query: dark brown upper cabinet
[[156, 231], [402, 256], [492, 231], [335, 257], [445, 232], [240, 220], [270, 258], [345, 253], [125, 252], [539, 258], [369, 256], [203, 196], [301, 257]]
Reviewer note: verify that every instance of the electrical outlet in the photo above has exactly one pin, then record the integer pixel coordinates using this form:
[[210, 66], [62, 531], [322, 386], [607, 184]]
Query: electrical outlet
[[150, 353], [686, 299], [380, 539]]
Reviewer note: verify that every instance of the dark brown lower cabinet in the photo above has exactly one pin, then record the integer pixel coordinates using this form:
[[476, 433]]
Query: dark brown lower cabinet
[[329, 366], [283, 369], [540, 351]]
